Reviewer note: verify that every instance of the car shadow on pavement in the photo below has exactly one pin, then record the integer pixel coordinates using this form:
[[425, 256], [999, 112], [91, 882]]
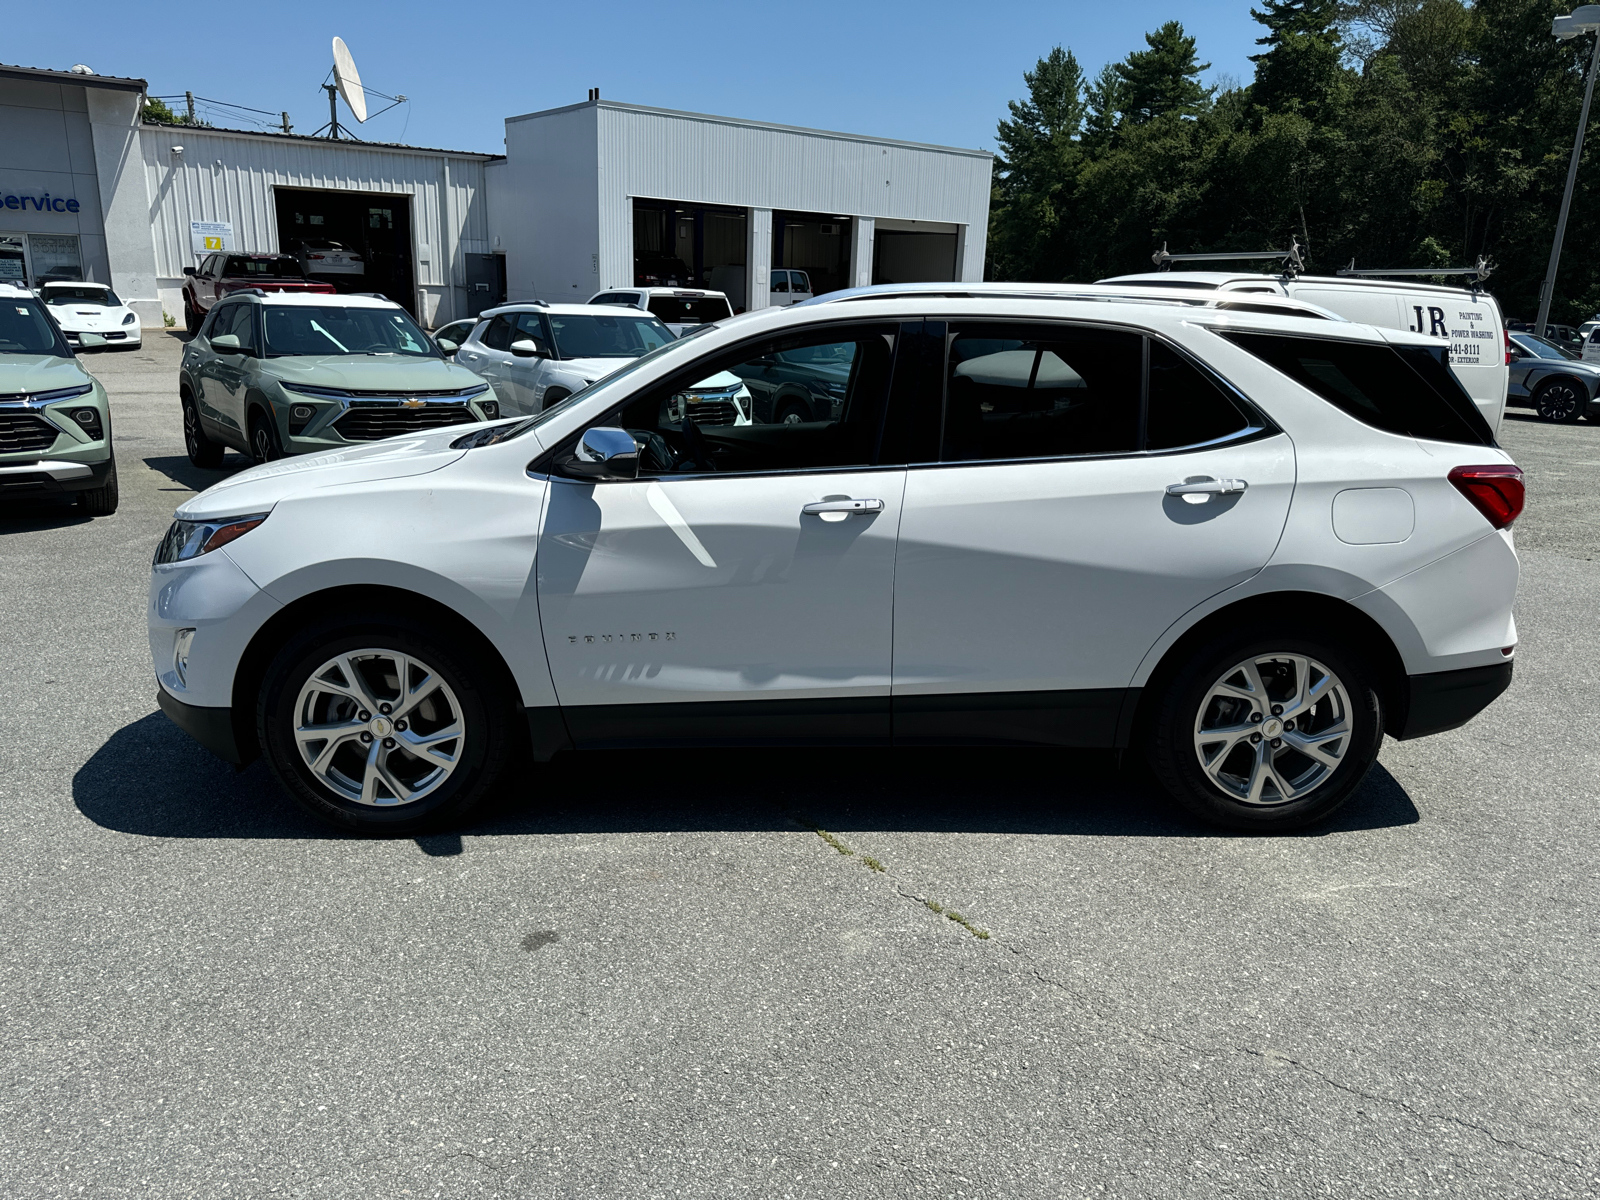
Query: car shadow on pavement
[[181, 471], [33, 516], [149, 779]]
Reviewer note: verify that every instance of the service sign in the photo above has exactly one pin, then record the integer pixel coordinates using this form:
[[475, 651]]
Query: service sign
[[1469, 329], [205, 236]]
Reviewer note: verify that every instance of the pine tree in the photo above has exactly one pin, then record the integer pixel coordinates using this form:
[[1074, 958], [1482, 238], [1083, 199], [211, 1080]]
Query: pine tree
[[1163, 80], [1300, 67]]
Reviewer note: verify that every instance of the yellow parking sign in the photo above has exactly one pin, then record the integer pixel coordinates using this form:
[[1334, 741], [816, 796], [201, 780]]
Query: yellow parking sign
[[213, 243], [206, 236]]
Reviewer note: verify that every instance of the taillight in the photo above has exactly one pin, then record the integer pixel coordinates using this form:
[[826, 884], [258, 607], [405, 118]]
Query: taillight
[[1506, 334], [1496, 491]]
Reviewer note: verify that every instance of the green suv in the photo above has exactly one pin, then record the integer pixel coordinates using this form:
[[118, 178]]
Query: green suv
[[55, 420], [276, 373]]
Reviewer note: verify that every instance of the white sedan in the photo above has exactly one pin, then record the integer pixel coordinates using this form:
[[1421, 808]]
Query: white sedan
[[1243, 544], [92, 308]]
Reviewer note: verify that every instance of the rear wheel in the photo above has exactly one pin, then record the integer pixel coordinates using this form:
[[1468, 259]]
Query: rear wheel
[[101, 501], [1561, 401], [203, 452], [382, 729], [1266, 732]]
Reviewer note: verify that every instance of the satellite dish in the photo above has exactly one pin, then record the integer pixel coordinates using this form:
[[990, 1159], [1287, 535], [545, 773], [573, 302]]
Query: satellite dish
[[349, 82]]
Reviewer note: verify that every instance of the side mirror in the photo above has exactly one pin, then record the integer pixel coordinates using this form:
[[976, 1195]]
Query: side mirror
[[605, 454], [90, 339], [447, 346], [227, 343], [189, 271], [529, 348]]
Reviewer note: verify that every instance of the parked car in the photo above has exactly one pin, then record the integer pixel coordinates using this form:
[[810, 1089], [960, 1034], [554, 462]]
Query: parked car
[[273, 374], [454, 333], [1231, 540], [662, 270], [81, 308], [679, 309], [1566, 337], [804, 384], [319, 256], [789, 286], [1467, 320], [55, 419], [1552, 380], [537, 355], [220, 275]]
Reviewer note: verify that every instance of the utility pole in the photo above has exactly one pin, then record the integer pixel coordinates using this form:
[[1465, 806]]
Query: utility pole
[[1582, 20], [189, 97], [287, 128]]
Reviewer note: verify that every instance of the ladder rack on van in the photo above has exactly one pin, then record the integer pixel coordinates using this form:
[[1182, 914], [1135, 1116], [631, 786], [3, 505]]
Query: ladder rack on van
[[1293, 263], [1477, 273]]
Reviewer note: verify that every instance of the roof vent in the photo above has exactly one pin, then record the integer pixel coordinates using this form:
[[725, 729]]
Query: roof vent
[[594, 94]]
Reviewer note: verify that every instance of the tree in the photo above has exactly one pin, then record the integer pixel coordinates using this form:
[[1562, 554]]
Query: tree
[[1301, 66], [1036, 167], [157, 113], [1163, 80]]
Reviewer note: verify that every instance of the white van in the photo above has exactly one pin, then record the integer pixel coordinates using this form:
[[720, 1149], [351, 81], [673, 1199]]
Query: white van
[[1468, 319]]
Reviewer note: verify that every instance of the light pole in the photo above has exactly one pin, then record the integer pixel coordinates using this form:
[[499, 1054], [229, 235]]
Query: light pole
[[1582, 20]]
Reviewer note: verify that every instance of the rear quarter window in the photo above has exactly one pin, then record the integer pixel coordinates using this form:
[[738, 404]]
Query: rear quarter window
[[1400, 389]]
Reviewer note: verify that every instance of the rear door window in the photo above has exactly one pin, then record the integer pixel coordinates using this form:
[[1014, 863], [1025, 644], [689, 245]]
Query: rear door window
[[1399, 389], [1187, 407]]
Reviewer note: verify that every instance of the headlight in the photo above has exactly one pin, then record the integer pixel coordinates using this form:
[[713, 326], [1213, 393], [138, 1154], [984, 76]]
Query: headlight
[[129, 319], [190, 539], [63, 393]]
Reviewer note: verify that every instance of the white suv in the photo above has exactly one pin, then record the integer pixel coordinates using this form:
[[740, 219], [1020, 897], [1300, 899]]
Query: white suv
[[679, 309], [1244, 540]]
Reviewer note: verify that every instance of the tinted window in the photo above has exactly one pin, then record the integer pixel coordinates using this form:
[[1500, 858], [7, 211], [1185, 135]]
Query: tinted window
[[1187, 407], [528, 326], [25, 328], [498, 335], [242, 326], [805, 402], [321, 329], [1541, 348], [583, 336], [1407, 390], [682, 311], [1041, 392], [269, 268]]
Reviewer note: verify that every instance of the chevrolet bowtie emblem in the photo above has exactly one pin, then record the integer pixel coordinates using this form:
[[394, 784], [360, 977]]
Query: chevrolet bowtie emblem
[[413, 403]]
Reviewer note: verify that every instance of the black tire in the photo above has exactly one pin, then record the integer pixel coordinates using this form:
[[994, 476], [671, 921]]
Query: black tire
[[101, 501], [193, 318], [202, 451], [1560, 400], [264, 444], [1188, 705], [487, 718], [794, 414]]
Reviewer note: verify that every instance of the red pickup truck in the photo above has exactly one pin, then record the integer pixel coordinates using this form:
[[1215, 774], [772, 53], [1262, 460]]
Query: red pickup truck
[[219, 274]]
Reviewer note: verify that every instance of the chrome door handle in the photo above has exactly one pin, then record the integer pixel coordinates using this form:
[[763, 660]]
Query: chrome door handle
[[843, 507], [1203, 487]]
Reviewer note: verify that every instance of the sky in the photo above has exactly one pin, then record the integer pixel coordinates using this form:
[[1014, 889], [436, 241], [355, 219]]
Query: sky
[[925, 72]]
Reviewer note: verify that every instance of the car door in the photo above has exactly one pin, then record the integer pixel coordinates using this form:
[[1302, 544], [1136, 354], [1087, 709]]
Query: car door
[[1522, 366], [741, 588], [488, 353], [1041, 554], [526, 375], [219, 374], [231, 373]]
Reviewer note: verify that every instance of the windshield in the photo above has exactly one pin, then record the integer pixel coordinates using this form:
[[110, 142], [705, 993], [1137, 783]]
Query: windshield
[[84, 293], [692, 310], [606, 337], [267, 268], [25, 328], [335, 329], [1541, 347]]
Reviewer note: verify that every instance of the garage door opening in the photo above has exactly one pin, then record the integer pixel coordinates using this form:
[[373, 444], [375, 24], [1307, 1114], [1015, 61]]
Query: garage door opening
[[357, 241], [689, 245], [902, 257], [817, 244]]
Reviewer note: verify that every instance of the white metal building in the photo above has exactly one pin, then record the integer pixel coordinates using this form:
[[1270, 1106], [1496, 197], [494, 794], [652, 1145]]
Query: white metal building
[[586, 197]]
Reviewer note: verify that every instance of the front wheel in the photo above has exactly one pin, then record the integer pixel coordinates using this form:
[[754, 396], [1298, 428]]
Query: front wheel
[[383, 729], [101, 501], [193, 318], [264, 445], [1561, 401], [1266, 733]]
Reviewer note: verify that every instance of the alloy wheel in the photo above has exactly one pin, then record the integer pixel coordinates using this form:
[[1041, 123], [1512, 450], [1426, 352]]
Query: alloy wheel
[[261, 441], [378, 727], [191, 431], [1559, 402], [1273, 728]]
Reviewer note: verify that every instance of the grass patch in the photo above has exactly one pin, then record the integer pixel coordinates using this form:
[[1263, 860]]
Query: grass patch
[[951, 914], [868, 861]]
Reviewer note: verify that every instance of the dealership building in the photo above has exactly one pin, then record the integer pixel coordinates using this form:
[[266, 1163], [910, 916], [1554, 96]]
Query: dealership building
[[586, 197]]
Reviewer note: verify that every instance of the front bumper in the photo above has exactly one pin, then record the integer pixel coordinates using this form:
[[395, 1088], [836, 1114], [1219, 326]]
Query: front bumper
[[129, 336], [211, 727], [47, 476], [1449, 699]]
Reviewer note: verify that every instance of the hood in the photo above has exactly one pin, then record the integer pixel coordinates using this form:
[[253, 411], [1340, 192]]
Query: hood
[[261, 487], [84, 315], [372, 373], [593, 368], [39, 373]]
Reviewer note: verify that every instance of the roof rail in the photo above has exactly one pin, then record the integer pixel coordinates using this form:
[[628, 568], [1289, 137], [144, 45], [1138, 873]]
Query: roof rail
[[1479, 272], [1293, 261]]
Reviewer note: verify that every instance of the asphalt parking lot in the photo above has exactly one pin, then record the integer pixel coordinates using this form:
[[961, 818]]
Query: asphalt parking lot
[[647, 974]]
